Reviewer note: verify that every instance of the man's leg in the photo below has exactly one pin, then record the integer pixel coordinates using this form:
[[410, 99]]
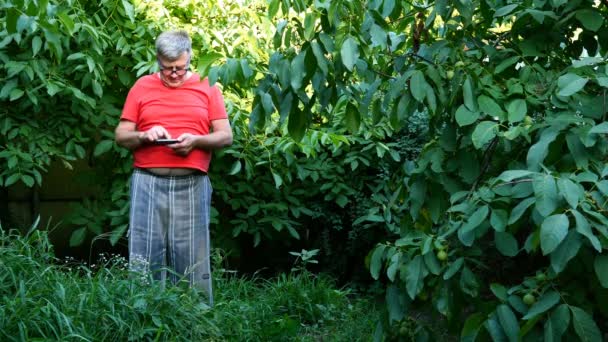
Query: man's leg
[[147, 247], [189, 207]]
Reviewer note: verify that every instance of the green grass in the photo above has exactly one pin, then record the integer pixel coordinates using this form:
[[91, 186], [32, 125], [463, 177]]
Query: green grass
[[43, 299]]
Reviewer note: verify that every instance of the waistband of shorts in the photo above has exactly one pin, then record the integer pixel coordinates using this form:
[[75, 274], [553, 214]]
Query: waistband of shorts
[[148, 172]]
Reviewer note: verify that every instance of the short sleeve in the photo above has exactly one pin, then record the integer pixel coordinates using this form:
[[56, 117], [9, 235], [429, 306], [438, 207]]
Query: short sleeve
[[217, 108], [130, 110]]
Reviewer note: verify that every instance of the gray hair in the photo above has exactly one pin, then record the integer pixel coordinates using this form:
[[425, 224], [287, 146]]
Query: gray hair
[[170, 45]]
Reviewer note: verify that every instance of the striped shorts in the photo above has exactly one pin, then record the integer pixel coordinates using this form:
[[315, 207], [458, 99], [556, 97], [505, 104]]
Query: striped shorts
[[169, 228]]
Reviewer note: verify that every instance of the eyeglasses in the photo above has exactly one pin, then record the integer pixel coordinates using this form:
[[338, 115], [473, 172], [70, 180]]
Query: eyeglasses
[[169, 71]]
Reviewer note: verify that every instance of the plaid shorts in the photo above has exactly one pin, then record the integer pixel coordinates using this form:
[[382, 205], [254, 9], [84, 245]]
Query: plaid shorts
[[169, 228]]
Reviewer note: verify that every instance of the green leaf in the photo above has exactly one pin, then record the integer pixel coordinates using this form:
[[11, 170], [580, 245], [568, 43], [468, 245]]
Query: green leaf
[[499, 291], [558, 323], [519, 209], [349, 53], [469, 283], [27, 180], [495, 330], [414, 278], [545, 192], [591, 18], [397, 302], [517, 110], [570, 192], [538, 152], [8, 88], [352, 118], [510, 175], [12, 179], [544, 303], [418, 86], [432, 263], [469, 94], [489, 106], [566, 251], [36, 45], [97, 89], [273, 8], [508, 321], [236, 168], [118, 233], [378, 36], [67, 21], [453, 268], [471, 327], [320, 57], [483, 133], [476, 219], [77, 237], [570, 84], [375, 264], [297, 124], [499, 219], [278, 181], [599, 129], [103, 147], [12, 15], [465, 117], [600, 265], [585, 327], [552, 232], [206, 60], [297, 71], [501, 12], [129, 10], [506, 244], [583, 228], [505, 64], [309, 25], [16, 94]]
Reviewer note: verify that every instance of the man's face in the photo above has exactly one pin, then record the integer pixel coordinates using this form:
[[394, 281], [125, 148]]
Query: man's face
[[174, 74]]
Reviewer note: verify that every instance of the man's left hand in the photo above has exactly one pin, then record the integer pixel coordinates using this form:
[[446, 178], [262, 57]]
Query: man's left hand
[[187, 142]]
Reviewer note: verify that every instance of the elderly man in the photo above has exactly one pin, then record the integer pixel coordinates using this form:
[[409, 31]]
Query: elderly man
[[171, 120]]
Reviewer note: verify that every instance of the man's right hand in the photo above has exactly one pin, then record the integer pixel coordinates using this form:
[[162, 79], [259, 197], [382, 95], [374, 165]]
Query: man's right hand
[[126, 135], [154, 133]]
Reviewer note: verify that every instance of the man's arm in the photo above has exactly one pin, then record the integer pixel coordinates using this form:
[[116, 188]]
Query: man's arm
[[220, 136], [127, 135]]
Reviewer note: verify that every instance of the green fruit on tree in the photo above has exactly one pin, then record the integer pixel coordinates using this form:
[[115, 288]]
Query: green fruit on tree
[[529, 299], [449, 74], [442, 255], [459, 64], [541, 277]]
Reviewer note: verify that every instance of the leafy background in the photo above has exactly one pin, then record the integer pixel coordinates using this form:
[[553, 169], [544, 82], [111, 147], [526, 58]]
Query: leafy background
[[459, 145]]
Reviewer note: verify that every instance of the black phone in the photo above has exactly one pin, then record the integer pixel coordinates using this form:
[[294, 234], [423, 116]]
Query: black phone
[[165, 141]]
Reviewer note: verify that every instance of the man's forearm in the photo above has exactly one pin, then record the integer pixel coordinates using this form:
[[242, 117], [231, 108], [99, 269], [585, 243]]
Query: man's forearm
[[214, 140], [129, 139]]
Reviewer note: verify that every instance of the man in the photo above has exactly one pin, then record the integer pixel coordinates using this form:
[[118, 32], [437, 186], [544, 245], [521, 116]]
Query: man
[[170, 191]]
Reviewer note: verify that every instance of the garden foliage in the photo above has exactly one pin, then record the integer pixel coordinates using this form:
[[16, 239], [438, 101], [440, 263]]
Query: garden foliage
[[44, 298]]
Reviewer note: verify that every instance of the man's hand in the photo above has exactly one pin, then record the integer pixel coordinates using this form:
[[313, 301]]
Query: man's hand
[[154, 133], [187, 142]]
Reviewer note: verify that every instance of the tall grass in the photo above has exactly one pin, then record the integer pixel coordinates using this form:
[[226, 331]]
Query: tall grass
[[42, 298]]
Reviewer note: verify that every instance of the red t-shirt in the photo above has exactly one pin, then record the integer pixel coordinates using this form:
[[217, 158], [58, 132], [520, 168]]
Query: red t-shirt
[[189, 108]]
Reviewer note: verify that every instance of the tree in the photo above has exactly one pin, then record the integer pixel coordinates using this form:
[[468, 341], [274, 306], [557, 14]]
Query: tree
[[514, 166]]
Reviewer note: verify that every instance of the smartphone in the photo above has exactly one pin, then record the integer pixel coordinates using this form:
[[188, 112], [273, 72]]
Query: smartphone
[[165, 141]]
